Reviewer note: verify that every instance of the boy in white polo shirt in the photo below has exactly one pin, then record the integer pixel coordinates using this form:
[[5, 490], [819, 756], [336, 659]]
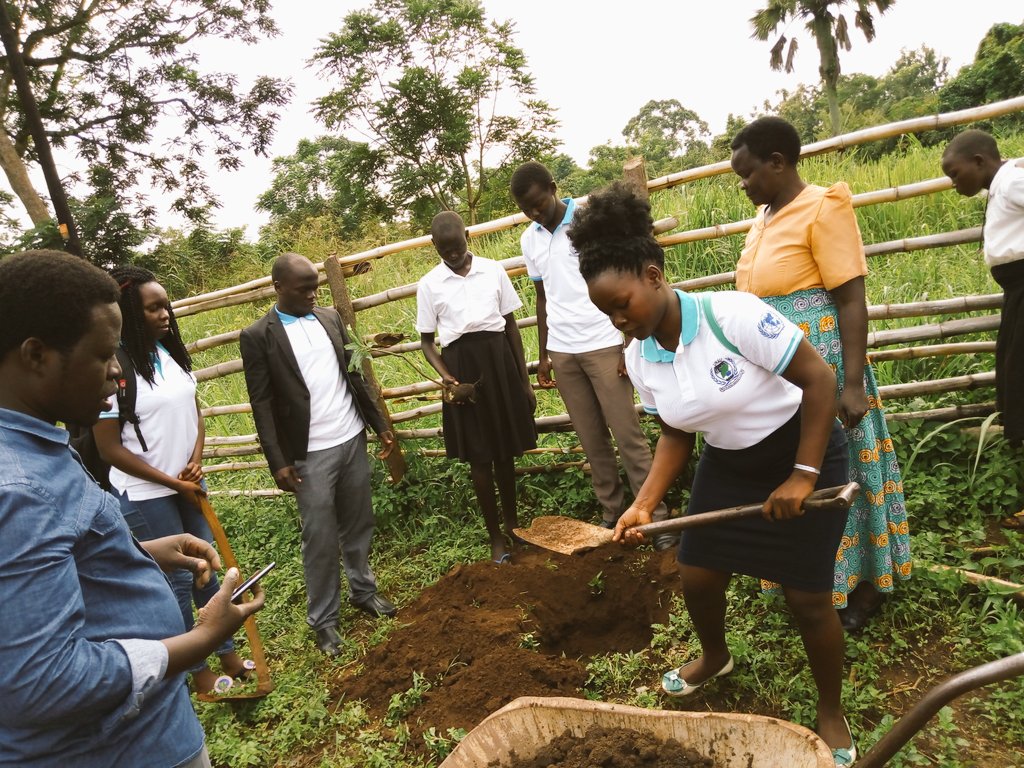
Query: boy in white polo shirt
[[973, 162], [585, 350]]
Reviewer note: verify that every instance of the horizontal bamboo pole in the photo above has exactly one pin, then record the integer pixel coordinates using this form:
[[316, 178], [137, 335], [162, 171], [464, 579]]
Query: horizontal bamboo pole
[[226, 410], [954, 306], [892, 194], [1016, 591], [201, 345], [439, 453], [934, 350], [220, 453], [219, 370], [543, 469], [952, 384], [234, 466], [231, 439], [950, 413], [847, 140], [941, 330]]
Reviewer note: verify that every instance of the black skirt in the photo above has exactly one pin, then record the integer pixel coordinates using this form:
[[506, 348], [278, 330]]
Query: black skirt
[[1010, 350], [499, 425], [798, 553]]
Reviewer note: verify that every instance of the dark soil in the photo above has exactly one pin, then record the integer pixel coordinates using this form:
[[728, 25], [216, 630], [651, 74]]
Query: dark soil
[[486, 634], [610, 748]]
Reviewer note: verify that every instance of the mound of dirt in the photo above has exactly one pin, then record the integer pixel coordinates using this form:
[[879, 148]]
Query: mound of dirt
[[486, 634], [610, 748]]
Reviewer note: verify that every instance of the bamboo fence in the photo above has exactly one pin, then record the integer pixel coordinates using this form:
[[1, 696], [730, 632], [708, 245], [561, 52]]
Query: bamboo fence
[[961, 316]]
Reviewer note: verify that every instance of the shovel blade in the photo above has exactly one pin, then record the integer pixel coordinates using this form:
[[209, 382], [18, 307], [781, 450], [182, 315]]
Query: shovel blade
[[564, 534]]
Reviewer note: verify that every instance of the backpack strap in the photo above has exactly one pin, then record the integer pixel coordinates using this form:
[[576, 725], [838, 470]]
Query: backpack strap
[[709, 314], [127, 395]]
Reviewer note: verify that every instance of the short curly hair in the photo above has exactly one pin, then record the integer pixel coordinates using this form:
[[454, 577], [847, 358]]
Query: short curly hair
[[615, 231], [528, 175], [767, 135], [49, 295]]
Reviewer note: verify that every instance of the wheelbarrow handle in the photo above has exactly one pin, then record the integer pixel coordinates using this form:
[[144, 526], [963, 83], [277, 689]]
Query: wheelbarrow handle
[[838, 497], [938, 697]]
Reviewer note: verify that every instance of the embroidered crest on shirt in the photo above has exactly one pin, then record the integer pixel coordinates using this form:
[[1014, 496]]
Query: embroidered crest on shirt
[[770, 326], [725, 373]]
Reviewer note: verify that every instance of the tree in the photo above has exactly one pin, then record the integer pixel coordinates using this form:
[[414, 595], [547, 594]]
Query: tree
[[996, 73], [110, 75], [328, 176], [668, 135], [830, 32], [441, 92]]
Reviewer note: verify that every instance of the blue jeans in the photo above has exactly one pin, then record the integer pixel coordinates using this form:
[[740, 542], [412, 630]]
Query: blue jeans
[[167, 516]]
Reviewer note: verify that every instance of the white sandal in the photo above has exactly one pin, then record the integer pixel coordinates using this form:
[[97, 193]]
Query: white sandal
[[674, 685]]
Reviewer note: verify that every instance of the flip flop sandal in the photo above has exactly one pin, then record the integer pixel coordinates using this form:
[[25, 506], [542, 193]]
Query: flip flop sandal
[[674, 685], [223, 684], [505, 559]]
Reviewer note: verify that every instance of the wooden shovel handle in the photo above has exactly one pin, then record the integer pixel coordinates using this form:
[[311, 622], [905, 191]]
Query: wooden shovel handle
[[839, 497]]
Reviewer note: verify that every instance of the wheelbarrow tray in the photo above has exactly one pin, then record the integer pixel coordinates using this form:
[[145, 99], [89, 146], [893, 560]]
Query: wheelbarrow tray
[[732, 740]]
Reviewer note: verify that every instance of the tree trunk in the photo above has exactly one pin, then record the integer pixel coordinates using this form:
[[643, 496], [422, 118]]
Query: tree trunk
[[17, 176], [828, 68]]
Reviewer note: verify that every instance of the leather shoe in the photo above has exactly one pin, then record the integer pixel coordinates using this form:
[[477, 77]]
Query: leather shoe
[[329, 641], [376, 606]]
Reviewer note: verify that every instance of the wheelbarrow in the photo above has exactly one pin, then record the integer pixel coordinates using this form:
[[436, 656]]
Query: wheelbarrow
[[732, 740]]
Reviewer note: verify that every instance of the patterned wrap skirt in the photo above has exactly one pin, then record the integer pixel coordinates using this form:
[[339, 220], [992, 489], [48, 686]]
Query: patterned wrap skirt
[[499, 425], [876, 543]]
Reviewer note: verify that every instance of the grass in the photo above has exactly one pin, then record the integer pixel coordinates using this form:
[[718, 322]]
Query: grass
[[956, 487]]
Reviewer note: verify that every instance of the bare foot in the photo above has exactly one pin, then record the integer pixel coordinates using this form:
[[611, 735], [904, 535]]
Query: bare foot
[[233, 665], [703, 668], [203, 680], [833, 731]]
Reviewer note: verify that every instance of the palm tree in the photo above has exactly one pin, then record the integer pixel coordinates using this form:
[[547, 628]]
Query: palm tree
[[830, 32]]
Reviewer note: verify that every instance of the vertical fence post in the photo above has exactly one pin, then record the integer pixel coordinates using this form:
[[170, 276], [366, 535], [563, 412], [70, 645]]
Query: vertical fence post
[[634, 173], [343, 303]]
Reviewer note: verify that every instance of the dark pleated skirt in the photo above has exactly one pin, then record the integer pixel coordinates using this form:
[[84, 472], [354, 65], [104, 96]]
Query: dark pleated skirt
[[1010, 350], [798, 553], [499, 425]]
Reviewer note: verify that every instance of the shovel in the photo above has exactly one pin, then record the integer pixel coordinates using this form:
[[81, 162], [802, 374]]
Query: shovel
[[569, 536]]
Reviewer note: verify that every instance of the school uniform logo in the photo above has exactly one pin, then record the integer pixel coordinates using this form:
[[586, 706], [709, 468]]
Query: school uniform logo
[[725, 373], [770, 326]]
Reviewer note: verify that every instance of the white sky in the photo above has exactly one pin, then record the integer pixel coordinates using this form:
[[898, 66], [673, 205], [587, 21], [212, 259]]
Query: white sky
[[597, 62]]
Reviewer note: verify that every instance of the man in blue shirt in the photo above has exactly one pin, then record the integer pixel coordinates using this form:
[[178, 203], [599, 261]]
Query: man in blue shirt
[[92, 644]]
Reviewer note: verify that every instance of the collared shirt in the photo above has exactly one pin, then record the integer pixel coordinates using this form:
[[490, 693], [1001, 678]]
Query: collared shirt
[[333, 416], [812, 242], [451, 305], [575, 324], [736, 398], [169, 422], [1004, 215], [82, 611]]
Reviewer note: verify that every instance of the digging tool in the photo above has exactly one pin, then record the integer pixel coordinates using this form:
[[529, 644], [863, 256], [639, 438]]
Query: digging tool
[[570, 536]]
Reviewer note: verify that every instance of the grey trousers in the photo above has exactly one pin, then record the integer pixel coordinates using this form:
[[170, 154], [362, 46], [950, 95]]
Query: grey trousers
[[202, 760], [598, 399], [334, 502]]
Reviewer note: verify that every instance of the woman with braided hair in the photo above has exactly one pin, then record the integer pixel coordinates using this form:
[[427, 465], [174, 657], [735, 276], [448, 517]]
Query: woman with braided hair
[[156, 462]]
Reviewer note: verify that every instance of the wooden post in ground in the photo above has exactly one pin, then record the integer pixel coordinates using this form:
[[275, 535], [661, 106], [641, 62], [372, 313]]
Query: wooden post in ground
[[634, 173], [343, 303]]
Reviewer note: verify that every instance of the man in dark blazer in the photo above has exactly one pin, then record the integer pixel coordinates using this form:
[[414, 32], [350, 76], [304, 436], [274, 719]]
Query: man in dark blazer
[[311, 415]]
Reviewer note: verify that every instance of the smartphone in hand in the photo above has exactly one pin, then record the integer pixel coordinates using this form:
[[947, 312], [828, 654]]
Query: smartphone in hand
[[246, 585]]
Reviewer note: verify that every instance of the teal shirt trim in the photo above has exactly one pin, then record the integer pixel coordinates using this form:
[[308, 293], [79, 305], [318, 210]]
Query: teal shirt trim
[[287, 319], [787, 358], [653, 352]]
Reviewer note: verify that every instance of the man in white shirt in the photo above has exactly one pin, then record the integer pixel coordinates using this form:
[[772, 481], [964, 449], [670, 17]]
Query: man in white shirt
[[311, 415], [972, 161], [580, 343]]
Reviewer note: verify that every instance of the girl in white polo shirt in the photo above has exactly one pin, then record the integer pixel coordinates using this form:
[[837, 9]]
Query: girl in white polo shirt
[[468, 301], [729, 366], [157, 469]]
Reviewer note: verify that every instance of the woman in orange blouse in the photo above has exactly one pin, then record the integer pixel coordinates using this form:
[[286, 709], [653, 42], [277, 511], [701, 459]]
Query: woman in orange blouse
[[804, 256]]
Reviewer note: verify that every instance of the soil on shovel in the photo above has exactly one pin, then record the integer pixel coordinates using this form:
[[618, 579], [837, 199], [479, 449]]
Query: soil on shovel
[[610, 748], [486, 634]]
